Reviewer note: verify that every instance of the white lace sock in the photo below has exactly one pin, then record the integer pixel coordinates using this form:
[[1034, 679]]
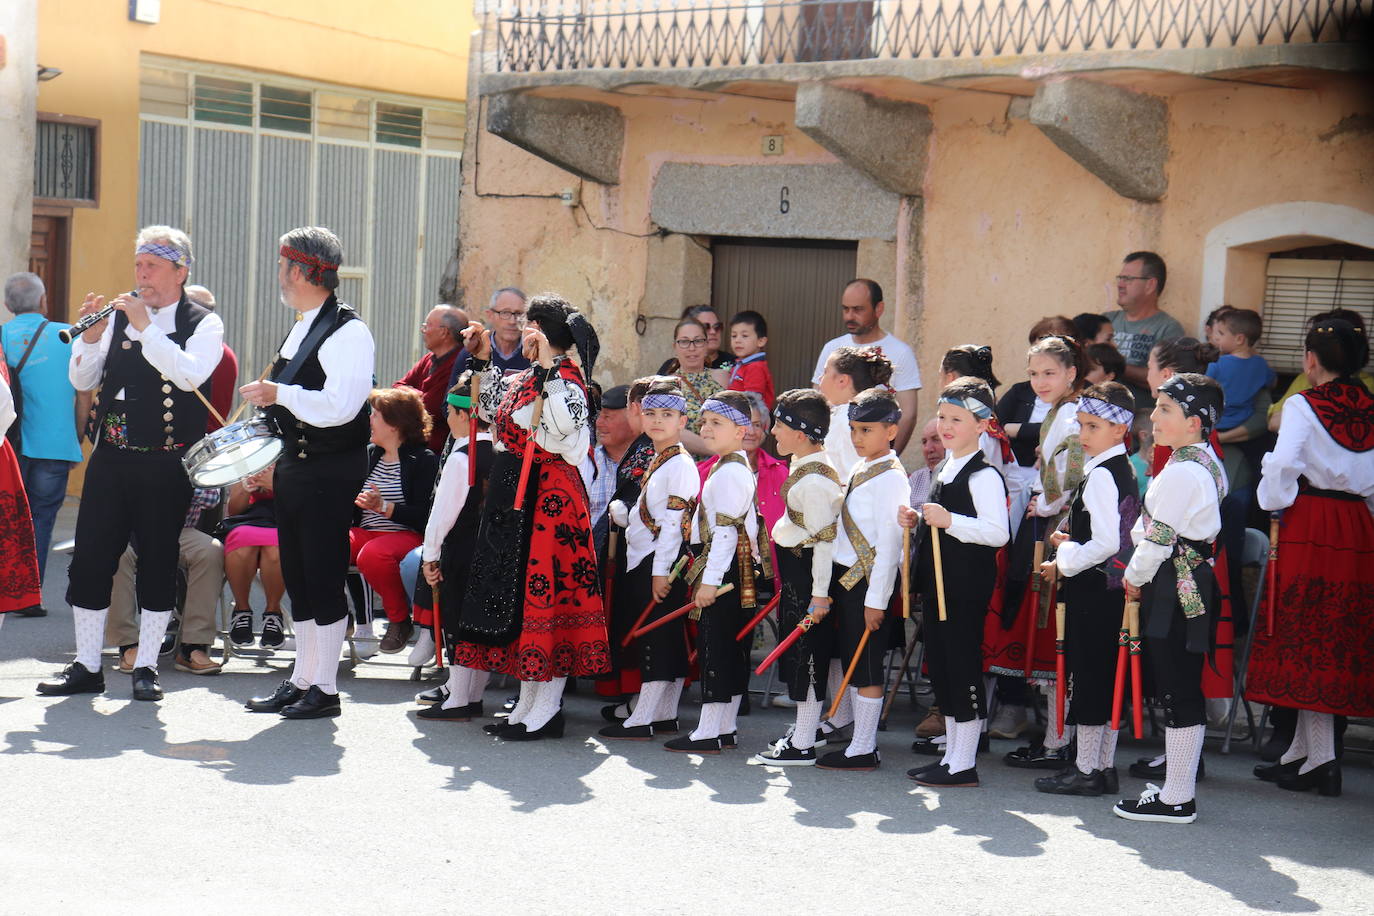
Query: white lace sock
[[90, 635], [547, 701], [949, 740], [808, 720], [1321, 738], [1107, 758], [477, 684], [1297, 749], [307, 644], [1054, 741], [1183, 748], [708, 726], [457, 687], [329, 640], [844, 713], [667, 707], [1089, 747], [867, 711], [152, 627], [650, 698], [528, 690], [962, 752], [728, 726]]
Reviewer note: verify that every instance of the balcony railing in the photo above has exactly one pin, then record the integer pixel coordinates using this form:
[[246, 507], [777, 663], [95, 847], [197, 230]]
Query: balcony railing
[[633, 34]]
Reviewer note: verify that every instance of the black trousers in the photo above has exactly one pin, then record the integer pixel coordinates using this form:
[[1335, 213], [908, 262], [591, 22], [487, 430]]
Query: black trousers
[[662, 654], [847, 609], [1090, 644], [314, 503], [954, 656], [812, 653], [724, 661], [1177, 671], [129, 497]]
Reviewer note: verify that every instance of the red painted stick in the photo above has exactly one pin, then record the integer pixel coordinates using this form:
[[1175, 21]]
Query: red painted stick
[[1133, 621], [758, 618], [1270, 575], [653, 603], [680, 612], [529, 453], [1119, 688], [1061, 676], [1031, 605], [802, 626]]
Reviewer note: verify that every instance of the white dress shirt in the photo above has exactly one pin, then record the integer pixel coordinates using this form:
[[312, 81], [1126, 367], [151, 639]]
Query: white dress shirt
[[991, 526], [449, 499], [186, 368], [873, 507], [729, 490], [678, 476], [1065, 424], [347, 359], [1184, 497], [818, 500], [1103, 504], [839, 448], [563, 423], [1306, 449]]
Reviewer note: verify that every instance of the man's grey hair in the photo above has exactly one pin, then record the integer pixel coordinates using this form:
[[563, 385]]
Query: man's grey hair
[[24, 293], [513, 290], [453, 318], [201, 296], [167, 235], [318, 242]]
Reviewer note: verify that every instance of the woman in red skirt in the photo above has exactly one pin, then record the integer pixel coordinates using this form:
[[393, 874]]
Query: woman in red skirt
[[1320, 474], [18, 561], [532, 607]]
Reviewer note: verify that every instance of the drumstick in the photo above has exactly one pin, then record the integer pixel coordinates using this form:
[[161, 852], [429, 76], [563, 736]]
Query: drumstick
[[211, 407], [242, 404]]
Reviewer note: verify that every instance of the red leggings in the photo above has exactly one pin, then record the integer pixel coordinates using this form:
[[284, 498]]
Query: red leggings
[[378, 556]]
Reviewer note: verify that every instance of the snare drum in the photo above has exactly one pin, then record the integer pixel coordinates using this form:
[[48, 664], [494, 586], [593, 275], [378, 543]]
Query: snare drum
[[233, 452]]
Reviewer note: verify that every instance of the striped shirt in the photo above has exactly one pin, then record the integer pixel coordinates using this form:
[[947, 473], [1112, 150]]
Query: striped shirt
[[386, 477]]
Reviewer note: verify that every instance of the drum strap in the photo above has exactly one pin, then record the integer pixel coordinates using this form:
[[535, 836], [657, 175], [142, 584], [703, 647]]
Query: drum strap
[[326, 321]]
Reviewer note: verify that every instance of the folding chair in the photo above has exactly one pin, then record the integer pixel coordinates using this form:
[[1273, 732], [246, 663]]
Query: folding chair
[[1254, 553]]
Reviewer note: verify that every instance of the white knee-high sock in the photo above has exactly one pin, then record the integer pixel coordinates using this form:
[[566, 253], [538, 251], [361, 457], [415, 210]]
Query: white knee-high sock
[[307, 643], [2, 620], [1107, 758], [547, 701], [1297, 748], [962, 749], [844, 714], [650, 697], [667, 706], [1183, 748], [808, 720], [708, 726], [728, 725], [528, 691], [949, 740], [152, 627], [867, 711], [329, 640], [1090, 747], [477, 684], [1321, 738], [457, 687], [1055, 741], [89, 624]]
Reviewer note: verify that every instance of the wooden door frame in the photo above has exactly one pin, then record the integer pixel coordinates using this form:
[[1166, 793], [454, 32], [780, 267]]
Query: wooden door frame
[[64, 213]]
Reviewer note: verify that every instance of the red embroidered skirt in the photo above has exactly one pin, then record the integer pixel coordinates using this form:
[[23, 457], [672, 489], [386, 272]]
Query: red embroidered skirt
[[1321, 656], [18, 561]]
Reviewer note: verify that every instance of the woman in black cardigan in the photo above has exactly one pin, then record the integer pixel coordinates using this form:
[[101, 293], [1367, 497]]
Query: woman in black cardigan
[[393, 506]]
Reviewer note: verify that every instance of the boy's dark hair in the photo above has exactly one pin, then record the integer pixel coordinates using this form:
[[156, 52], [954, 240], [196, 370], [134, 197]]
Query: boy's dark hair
[[1109, 358], [1114, 393], [735, 399], [809, 405], [970, 359], [1185, 354], [969, 387], [866, 367], [657, 384], [1216, 313], [1087, 325], [640, 387], [1246, 322], [753, 319], [1151, 266], [464, 387]]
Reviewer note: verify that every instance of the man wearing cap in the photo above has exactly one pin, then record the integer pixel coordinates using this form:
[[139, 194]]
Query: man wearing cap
[[149, 362], [317, 397], [613, 437]]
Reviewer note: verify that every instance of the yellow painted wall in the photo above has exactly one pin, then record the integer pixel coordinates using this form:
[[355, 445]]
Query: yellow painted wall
[[418, 48]]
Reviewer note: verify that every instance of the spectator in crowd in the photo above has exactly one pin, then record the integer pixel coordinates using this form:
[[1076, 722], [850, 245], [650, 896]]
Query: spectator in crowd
[[698, 382], [714, 357], [613, 437], [506, 321], [442, 335], [1241, 372], [1091, 328], [224, 380], [1105, 363], [862, 306], [1213, 324], [51, 422], [249, 530], [933, 452], [748, 340], [1139, 323]]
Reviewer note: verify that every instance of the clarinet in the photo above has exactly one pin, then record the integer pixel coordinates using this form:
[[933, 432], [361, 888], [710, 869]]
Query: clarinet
[[67, 335]]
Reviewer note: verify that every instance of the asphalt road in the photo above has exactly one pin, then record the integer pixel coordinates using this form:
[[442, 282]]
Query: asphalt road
[[195, 803]]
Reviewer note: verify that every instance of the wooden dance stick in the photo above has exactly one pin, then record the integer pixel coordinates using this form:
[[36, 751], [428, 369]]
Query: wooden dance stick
[[758, 618], [233, 417], [1271, 575], [1133, 622], [1119, 687], [939, 570], [1060, 669], [906, 575], [849, 673], [653, 603], [474, 392], [896, 685], [802, 626], [680, 612], [1032, 607]]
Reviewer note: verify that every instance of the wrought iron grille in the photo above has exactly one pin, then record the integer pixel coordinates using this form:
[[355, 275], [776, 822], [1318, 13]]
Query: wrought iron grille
[[628, 34], [64, 161]]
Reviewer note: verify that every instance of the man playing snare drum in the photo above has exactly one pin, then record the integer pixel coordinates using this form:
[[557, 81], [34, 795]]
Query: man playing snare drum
[[148, 361]]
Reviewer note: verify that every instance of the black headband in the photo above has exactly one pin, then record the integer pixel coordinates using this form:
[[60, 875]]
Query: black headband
[[875, 410], [816, 432]]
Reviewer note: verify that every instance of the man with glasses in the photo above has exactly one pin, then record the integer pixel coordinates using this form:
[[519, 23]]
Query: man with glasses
[[441, 332], [1139, 324], [506, 320]]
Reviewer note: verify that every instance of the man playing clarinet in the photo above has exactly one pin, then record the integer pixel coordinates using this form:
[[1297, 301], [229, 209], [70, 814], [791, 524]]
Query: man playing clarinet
[[152, 363]]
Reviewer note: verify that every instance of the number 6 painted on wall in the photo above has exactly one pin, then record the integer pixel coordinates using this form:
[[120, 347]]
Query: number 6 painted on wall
[[783, 203]]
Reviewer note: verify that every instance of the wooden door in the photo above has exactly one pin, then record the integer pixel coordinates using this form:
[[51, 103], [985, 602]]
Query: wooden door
[[48, 256]]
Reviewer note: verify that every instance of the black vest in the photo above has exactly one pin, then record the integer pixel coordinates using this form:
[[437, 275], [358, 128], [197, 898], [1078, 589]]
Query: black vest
[[302, 439], [462, 537], [1128, 504], [158, 413], [970, 569]]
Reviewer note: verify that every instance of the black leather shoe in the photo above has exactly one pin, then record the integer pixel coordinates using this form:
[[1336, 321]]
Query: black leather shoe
[[1111, 782], [685, 745], [502, 728], [550, 729], [1276, 771], [432, 696], [928, 746], [33, 610], [75, 678], [285, 694], [437, 712], [611, 714], [1073, 781], [146, 686], [316, 704], [1326, 779], [1141, 769], [665, 727], [1039, 757], [628, 732], [729, 742], [838, 760], [940, 777], [918, 772]]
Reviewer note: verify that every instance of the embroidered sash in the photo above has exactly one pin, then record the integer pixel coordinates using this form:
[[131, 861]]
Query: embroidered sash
[[822, 469], [674, 502], [744, 554], [863, 551], [1186, 555]]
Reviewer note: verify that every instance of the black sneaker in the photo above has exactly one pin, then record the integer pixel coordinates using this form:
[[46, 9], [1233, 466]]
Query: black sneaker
[[786, 738], [1073, 781], [273, 633], [1149, 808], [241, 628], [783, 754], [1039, 757]]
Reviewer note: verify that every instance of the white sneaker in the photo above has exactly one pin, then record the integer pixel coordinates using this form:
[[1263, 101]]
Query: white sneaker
[[784, 701], [1009, 722], [423, 652]]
